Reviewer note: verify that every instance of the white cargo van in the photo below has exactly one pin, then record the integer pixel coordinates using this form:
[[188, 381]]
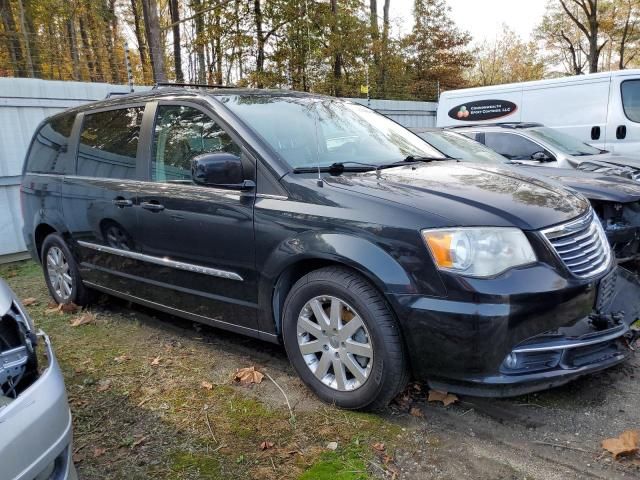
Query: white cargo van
[[602, 109]]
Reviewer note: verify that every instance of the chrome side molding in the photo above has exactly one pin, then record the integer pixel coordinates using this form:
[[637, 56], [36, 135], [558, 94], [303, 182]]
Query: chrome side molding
[[165, 262]]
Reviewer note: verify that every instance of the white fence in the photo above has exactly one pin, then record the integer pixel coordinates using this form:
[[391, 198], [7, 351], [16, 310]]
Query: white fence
[[25, 102]]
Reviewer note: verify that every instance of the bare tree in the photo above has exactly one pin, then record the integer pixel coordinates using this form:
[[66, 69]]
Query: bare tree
[[589, 26]]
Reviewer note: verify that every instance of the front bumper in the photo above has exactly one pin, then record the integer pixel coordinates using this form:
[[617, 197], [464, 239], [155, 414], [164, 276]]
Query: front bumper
[[524, 343], [36, 430]]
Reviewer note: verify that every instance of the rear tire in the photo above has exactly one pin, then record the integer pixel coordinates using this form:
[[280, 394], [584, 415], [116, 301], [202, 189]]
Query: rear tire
[[343, 340], [61, 272]]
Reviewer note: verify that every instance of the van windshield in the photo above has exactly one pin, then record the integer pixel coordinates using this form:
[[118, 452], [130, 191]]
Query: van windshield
[[315, 131], [565, 143], [462, 148]]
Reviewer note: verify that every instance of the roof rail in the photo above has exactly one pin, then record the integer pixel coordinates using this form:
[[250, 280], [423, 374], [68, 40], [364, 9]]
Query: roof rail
[[193, 85], [116, 94], [499, 124]]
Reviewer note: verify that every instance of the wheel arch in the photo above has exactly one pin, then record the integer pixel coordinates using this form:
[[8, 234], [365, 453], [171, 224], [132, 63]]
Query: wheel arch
[[282, 270]]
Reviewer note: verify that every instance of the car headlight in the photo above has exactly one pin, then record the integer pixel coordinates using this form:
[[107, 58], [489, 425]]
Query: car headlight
[[478, 251]]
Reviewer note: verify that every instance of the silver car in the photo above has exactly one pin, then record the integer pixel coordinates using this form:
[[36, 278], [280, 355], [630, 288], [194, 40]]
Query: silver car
[[35, 420], [533, 143]]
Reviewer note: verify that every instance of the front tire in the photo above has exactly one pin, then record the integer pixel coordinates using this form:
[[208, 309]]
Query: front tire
[[61, 272], [343, 340]]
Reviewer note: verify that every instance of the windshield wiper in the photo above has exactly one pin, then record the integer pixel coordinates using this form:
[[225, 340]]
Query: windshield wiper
[[338, 167]]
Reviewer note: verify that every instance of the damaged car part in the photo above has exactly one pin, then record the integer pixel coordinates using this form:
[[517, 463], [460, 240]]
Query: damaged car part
[[35, 420]]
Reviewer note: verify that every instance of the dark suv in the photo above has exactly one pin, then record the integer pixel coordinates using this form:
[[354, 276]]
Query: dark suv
[[319, 223]]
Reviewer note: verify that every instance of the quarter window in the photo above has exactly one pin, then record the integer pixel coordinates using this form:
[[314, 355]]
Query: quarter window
[[630, 90], [109, 142], [181, 133], [512, 146], [49, 151]]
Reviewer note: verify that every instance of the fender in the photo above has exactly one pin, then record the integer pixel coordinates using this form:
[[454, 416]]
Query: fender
[[347, 249]]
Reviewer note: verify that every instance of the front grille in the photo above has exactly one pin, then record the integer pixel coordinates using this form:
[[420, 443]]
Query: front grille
[[581, 245]]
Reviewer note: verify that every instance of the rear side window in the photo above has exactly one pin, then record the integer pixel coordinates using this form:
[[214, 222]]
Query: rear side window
[[511, 146], [49, 151], [630, 90], [109, 142]]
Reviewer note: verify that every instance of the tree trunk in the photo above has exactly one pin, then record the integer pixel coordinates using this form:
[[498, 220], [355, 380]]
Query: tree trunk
[[27, 44], [73, 48], [217, 45], [111, 37], [152, 27], [13, 42], [257, 12], [177, 52], [385, 49], [142, 43], [375, 31], [199, 41], [337, 58], [86, 48], [32, 39]]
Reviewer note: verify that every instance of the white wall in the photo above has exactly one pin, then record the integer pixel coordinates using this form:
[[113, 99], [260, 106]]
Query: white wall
[[24, 103]]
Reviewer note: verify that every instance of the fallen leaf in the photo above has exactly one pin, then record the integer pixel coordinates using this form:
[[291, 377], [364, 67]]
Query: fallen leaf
[[29, 301], [104, 385], [55, 309], [139, 441], [69, 307], [332, 446], [156, 361], [77, 458], [98, 452], [266, 445], [121, 359], [416, 412], [444, 397], [83, 319], [12, 274], [378, 446], [52, 304], [626, 444], [247, 376], [207, 385]]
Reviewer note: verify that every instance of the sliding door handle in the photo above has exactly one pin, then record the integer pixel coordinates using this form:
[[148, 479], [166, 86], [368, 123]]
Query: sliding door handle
[[152, 206]]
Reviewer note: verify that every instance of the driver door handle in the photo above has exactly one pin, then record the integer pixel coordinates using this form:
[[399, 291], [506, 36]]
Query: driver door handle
[[122, 202], [152, 206]]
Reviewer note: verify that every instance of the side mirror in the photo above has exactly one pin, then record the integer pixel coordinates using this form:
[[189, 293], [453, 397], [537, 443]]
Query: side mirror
[[222, 170], [542, 157]]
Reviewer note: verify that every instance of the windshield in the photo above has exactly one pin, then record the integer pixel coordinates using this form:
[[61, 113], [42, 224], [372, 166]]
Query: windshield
[[462, 148], [565, 143], [312, 131]]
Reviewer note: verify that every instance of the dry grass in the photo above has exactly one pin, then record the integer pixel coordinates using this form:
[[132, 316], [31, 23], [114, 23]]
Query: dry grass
[[141, 411]]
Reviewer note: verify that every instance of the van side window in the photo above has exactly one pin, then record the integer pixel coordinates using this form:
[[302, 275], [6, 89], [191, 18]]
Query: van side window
[[630, 90], [109, 142], [49, 151], [181, 133], [511, 145]]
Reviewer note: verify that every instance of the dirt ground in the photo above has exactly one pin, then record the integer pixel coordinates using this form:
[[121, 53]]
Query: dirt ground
[[141, 410]]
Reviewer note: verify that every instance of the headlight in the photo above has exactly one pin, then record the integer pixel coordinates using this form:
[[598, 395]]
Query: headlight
[[479, 252]]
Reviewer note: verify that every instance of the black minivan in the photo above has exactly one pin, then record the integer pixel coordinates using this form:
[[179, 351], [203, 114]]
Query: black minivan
[[316, 222]]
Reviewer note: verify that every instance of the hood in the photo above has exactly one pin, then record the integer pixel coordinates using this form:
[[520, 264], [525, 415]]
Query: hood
[[610, 158], [594, 186], [470, 194]]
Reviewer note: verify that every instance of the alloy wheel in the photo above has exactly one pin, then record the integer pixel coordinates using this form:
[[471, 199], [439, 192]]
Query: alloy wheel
[[335, 343], [58, 271]]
